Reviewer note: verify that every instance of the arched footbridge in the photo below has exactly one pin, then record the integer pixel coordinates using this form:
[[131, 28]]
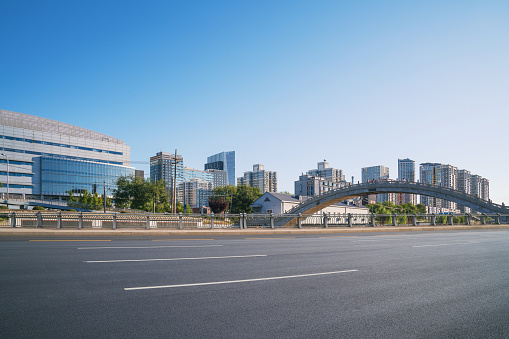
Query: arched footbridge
[[318, 203]]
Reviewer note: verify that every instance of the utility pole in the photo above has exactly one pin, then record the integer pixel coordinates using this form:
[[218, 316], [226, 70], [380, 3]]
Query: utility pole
[[7, 158], [174, 193], [104, 195]]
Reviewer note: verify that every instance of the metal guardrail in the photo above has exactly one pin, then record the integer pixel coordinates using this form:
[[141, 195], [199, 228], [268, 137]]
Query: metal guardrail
[[84, 220]]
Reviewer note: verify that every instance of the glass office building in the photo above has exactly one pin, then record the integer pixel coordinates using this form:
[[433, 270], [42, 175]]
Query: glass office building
[[48, 158], [224, 161]]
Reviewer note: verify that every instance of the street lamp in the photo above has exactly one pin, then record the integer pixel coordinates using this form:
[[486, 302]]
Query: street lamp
[[6, 157]]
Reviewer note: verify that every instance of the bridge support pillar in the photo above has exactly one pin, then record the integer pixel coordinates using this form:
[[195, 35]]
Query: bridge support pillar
[[434, 220], [271, 217], [299, 220], [414, 219], [483, 219], [497, 219], [467, 219], [59, 219], [39, 220], [80, 220], [350, 224], [373, 220], [394, 221]]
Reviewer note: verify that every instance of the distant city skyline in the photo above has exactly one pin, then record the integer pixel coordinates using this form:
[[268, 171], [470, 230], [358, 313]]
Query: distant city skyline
[[285, 84]]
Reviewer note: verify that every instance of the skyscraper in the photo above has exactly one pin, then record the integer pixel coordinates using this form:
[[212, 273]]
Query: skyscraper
[[406, 172], [223, 161]]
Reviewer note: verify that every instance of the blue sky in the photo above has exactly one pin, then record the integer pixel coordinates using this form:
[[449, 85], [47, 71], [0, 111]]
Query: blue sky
[[283, 83]]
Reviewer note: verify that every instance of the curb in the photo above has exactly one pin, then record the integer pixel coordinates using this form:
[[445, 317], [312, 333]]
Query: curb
[[7, 232]]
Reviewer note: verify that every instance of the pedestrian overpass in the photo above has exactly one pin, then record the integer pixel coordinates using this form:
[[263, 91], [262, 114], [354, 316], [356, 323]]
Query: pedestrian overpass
[[318, 203]]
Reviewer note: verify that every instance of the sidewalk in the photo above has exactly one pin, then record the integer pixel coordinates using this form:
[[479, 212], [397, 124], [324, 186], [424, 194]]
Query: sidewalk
[[26, 231]]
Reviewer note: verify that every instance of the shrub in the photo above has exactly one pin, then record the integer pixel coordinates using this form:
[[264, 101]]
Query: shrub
[[2, 207], [39, 208]]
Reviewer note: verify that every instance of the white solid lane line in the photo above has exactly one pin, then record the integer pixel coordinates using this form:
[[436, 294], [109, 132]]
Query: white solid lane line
[[237, 281], [117, 247], [176, 259], [451, 244]]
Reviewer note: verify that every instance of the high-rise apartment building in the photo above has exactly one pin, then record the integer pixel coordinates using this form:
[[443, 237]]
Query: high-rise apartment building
[[480, 187], [374, 173], [224, 161], [327, 173], [162, 167], [310, 185], [406, 172], [463, 185], [440, 175], [48, 158], [378, 173], [196, 192], [265, 180]]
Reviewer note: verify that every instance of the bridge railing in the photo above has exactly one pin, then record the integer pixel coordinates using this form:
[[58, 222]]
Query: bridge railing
[[81, 220]]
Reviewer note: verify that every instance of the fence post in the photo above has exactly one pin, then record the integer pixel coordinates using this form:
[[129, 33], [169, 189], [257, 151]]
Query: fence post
[[497, 219], [148, 221], [180, 221], [59, 219], [299, 220], [433, 220], [245, 221], [13, 219], [394, 221], [414, 219], [373, 220], [39, 219], [325, 220], [271, 217], [467, 219], [350, 220], [212, 220], [449, 217], [483, 219], [80, 220]]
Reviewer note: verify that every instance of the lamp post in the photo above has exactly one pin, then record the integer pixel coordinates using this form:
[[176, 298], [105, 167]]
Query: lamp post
[[6, 157]]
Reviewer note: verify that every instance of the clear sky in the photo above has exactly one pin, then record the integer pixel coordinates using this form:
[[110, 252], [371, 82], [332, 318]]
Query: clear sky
[[283, 83]]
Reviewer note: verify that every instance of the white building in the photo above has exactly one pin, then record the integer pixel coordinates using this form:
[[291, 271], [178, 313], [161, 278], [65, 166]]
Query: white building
[[279, 203], [48, 158]]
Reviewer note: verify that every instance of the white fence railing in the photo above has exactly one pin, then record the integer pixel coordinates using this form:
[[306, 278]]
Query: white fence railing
[[82, 220]]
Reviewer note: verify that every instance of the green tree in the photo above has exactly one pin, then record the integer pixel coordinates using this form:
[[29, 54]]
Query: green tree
[[244, 198], [141, 194]]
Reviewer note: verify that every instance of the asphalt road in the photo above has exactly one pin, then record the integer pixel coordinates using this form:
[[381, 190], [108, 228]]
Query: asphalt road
[[397, 285]]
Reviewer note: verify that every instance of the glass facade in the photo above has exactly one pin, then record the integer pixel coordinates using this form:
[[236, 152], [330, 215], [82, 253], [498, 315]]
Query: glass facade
[[223, 161], [59, 176]]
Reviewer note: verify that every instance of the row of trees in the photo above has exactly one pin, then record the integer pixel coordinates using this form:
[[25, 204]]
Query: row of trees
[[388, 207], [88, 200], [143, 194]]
